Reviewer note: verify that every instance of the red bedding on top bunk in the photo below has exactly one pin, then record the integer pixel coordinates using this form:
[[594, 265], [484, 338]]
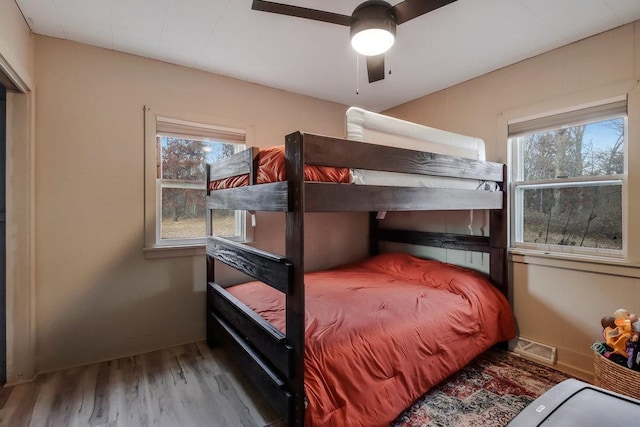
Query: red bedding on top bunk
[[381, 332], [271, 169]]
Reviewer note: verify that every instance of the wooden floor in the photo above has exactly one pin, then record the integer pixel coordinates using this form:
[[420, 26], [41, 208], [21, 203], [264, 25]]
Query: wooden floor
[[185, 386]]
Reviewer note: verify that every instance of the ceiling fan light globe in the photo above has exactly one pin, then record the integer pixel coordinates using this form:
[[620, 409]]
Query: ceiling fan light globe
[[373, 27], [372, 41]]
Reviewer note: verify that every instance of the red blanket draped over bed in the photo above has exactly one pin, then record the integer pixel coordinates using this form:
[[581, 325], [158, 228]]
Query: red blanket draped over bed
[[381, 332], [271, 168]]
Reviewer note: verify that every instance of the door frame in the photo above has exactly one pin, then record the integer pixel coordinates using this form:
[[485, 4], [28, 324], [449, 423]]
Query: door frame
[[20, 227], [3, 236]]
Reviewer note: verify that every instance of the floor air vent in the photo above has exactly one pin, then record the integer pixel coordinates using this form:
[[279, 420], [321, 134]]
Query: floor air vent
[[534, 350]]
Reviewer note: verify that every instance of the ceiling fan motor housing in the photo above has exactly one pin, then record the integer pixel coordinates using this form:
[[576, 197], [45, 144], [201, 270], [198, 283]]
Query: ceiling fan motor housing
[[373, 14]]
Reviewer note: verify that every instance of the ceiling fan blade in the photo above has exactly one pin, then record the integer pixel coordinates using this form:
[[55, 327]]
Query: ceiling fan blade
[[410, 9], [375, 67], [301, 12]]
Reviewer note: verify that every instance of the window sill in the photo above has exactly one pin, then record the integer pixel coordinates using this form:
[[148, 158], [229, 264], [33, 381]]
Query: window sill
[[173, 251], [580, 262]]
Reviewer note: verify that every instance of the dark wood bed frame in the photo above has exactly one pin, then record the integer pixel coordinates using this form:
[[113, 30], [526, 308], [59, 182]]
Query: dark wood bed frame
[[275, 361]]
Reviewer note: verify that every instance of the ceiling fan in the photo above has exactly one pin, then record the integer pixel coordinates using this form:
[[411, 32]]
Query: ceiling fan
[[372, 23]]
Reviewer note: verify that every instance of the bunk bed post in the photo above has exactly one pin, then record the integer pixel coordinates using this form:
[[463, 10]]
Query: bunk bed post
[[374, 235], [207, 179], [211, 341], [253, 170], [498, 241], [295, 310]]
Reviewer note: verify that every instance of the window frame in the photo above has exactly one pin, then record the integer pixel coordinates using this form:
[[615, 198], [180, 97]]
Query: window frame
[[155, 246], [161, 183], [569, 117]]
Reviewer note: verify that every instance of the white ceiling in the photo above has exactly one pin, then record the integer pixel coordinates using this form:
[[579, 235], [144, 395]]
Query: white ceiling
[[455, 43]]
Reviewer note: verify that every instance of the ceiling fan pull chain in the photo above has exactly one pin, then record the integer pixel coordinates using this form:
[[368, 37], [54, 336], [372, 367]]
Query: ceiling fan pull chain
[[357, 74], [389, 61]]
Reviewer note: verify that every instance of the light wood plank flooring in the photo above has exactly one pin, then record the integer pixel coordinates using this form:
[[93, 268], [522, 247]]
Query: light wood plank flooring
[[184, 386]]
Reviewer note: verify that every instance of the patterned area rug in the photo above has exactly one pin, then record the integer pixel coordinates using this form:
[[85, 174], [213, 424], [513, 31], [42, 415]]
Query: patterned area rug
[[489, 392]]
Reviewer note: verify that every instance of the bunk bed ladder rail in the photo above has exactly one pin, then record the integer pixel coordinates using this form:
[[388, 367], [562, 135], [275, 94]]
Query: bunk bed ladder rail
[[262, 349], [249, 331]]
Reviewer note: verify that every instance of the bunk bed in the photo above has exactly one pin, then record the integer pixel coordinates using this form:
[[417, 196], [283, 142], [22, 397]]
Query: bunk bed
[[277, 333]]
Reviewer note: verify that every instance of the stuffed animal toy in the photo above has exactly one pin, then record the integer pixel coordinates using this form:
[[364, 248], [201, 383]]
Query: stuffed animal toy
[[622, 332]]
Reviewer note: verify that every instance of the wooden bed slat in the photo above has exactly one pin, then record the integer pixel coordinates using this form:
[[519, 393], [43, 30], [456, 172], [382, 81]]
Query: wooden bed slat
[[237, 164], [274, 270], [262, 335], [322, 197], [337, 152], [261, 375], [330, 197], [437, 240], [263, 197]]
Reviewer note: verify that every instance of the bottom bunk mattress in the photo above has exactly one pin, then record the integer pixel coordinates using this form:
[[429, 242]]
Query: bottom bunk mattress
[[381, 332]]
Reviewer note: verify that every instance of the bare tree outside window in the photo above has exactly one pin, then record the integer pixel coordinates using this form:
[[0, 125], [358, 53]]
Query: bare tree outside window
[[568, 185], [183, 169]]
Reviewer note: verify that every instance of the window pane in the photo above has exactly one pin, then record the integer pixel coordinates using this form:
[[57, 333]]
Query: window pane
[[182, 159], [183, 170], [183, 216], [185, 159], [584, 216], [225, 223], [183, 213], [593, 149]]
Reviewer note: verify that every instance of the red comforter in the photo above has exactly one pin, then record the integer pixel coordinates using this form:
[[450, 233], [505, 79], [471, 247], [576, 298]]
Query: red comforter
[[380, 333], [271, 168]]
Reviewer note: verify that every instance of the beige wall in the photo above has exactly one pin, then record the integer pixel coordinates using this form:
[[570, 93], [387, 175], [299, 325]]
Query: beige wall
[[98, 297], [556, 302]]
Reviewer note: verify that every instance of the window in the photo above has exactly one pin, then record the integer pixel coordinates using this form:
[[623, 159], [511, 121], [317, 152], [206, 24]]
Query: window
[[568, 181], [177, 216]]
